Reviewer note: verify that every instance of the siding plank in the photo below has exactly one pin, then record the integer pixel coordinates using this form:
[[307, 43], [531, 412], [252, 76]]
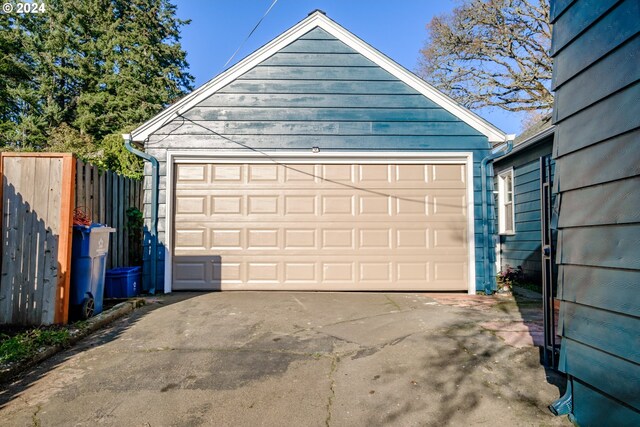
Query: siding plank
[[574, 96], [600, 410], [317, 46], [341, 101], [558, 7], [611, 31], [319, 59], [319, 87], [610, 332], [613, 203], [287, 142], [317, 34], [609, 289], [583, 14], [320, 113], [613, 246], [318, 128], [317, 73], [586, 128], [616, 377], [620, 151]]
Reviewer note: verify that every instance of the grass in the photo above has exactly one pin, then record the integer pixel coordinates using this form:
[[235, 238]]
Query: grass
[[26, 344]]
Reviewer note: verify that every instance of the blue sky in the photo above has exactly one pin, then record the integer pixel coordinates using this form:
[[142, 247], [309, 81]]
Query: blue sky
[[394, 27]]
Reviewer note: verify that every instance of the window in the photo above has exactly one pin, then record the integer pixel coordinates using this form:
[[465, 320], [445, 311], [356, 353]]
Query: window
[[505, 203]]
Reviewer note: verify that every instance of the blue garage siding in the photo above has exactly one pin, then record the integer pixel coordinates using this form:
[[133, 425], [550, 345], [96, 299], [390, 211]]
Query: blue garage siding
[[317, 91], [597, 115]]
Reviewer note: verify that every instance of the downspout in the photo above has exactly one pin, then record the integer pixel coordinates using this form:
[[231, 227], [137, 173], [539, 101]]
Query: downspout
[[154, 207], [488, 287]]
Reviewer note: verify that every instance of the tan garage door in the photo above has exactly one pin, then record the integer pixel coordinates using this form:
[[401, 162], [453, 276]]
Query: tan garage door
[[320, 227]]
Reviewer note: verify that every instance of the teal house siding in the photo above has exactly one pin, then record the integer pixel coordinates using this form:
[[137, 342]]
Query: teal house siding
[[597, 117], [523, 248], [317, 91]]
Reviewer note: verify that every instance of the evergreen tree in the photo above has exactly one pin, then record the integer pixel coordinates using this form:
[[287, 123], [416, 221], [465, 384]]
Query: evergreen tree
[[84, 71]]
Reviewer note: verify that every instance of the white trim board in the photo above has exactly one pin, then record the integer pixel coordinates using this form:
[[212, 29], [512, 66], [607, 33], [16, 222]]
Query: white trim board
[[175, 157], [318, 19]]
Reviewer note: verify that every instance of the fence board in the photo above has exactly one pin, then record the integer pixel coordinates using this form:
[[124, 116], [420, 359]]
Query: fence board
[[103, 200], [87, 189], [95, 194], [50, 278], [81, 197], [40, 198], [18, 226], [114, 220], [29, 235], [67, 185], [127, 198], [108, 212], [120, 231]]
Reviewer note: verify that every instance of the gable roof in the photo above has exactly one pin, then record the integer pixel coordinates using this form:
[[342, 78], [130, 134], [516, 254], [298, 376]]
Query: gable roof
[[315, 20]]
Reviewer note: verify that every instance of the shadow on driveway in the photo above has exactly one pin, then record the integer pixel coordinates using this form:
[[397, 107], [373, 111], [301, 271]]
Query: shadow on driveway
[[286, 358]]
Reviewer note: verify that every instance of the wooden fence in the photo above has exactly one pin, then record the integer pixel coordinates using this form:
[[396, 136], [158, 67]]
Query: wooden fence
[[105, 196], [39, 192], [37, 207]]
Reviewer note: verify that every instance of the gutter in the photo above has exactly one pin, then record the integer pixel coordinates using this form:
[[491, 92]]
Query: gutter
[[154, 207], [502, 151], [530, 142]]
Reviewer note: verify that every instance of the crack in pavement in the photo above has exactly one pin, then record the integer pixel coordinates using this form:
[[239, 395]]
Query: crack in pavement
[[332, 392], [35, 421], [395, 304]]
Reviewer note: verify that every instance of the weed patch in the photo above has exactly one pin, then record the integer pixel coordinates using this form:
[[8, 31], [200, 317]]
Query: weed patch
[[25, 345]]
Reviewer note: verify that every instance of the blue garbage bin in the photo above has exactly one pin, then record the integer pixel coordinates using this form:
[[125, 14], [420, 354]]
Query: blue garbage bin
[[89, 252]]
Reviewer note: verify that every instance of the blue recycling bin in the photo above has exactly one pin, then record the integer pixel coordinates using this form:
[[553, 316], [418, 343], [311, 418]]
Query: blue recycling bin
[[90, 248], [123, 282]]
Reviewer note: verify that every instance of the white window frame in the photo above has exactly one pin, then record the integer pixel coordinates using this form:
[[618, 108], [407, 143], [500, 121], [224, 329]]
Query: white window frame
[[502, 197]]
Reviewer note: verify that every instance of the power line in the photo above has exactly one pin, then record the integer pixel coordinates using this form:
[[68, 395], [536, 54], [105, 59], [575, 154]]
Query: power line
[[252, 31], [278, 163]]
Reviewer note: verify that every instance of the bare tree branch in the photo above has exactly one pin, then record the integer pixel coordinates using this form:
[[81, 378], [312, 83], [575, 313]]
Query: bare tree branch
[[492, 53]]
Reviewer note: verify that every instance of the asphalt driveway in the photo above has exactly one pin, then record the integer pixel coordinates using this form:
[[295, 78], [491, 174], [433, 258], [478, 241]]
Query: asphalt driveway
[[298, 359]]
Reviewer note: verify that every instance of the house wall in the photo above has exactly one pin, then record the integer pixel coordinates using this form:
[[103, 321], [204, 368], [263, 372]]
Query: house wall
[[317, 91], [523, 248], [597, 116]]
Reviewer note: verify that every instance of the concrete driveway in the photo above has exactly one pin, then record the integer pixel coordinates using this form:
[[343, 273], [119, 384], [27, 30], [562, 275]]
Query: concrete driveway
[[296, 359]]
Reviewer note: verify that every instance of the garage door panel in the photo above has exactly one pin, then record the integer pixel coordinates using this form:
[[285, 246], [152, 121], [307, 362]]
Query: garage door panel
[[227, 174], [188, 175], [364, 227]]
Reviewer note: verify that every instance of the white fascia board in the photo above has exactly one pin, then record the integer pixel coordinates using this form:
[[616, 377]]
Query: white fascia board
[[318, 19]]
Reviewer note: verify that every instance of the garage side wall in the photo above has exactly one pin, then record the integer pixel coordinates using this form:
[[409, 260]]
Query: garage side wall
[[317, 92]]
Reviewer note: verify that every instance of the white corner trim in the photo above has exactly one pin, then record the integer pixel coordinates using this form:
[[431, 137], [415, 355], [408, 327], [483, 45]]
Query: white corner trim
[[471, 218], [195, 156], [320, 20]]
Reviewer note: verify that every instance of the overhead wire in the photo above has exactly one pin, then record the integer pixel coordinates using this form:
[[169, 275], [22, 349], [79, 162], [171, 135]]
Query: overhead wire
[[289, 167], [250, 34]]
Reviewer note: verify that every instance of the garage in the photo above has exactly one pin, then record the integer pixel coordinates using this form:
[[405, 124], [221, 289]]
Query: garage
[[339, 225], [316, 163]]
